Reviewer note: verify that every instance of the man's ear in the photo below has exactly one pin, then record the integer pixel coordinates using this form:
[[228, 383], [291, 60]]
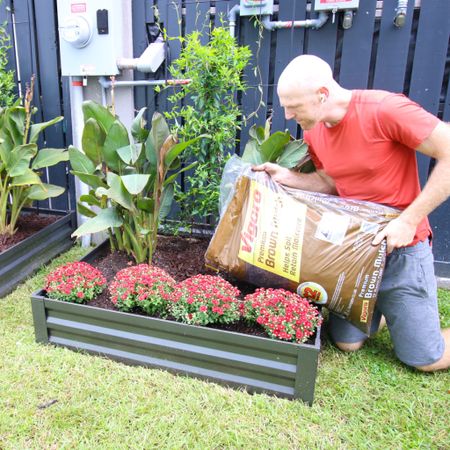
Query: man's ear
[[323, 94]]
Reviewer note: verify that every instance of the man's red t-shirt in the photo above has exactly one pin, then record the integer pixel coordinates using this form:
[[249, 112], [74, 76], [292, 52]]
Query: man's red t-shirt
[[370, 153]]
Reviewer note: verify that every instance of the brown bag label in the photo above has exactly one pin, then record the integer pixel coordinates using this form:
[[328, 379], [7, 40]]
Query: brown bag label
[[318, 245]]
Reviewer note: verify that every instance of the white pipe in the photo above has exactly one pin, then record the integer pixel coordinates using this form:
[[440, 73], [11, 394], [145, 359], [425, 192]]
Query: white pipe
[[315, 24], [76, 101], [149, 61], [232, 18]]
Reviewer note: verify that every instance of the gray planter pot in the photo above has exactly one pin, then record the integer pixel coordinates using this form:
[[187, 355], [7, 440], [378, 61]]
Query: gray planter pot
[[257, 364], [23, 259]]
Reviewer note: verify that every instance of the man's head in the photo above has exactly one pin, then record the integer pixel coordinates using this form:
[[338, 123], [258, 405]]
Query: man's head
[[303, 88]]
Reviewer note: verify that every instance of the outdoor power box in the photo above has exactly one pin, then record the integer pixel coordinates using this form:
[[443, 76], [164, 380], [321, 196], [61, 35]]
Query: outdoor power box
[[335, 5], [90, 36]]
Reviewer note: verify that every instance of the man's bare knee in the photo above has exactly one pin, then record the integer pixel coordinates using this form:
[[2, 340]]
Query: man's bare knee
[[349, 346]]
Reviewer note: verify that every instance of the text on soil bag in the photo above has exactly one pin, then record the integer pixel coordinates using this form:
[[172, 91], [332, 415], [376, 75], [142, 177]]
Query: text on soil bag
[[272, 235]]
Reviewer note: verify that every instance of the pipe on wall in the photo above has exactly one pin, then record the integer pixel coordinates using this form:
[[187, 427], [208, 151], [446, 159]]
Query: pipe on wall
[[400, 13]]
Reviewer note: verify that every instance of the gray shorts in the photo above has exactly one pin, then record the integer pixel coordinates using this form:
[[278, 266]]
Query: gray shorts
[[408, 300]]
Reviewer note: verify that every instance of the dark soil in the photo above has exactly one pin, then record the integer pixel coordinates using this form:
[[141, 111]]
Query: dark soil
[[181, 257], [27, 225]]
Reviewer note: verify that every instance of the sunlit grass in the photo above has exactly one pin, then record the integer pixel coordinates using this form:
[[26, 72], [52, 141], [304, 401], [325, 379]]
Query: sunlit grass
[[55, 398]]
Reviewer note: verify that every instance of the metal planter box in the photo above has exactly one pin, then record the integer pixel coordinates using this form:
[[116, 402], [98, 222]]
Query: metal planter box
[[23, 259], [254, 363]]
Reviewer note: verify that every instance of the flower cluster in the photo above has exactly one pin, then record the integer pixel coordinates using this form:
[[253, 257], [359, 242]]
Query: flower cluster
[[205, 299], [283, 314], [76, 282], [142, 287]]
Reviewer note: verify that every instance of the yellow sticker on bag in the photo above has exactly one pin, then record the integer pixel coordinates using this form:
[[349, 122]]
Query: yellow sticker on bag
[[264, 242]]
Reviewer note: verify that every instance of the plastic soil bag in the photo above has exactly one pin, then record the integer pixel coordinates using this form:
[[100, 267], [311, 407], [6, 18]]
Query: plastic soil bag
[[315, 244]]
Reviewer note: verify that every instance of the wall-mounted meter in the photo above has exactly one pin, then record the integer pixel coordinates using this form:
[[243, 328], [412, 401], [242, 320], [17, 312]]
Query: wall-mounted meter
[[90, 36], [335, 5], [256, 7]]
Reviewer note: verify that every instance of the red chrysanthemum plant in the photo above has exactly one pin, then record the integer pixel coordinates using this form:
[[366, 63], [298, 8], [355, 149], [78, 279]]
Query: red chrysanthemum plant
[[205, 299], [283, 314], [142, 287], [76, 282]]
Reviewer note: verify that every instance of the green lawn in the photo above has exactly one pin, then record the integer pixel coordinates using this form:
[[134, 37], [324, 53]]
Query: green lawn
[[54, 398]]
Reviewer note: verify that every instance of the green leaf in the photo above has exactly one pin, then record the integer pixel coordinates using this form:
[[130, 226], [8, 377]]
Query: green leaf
[[117, 137], [92, 141], [252, 153], [166, 201], [37, 128], [150, 153], [130, 154], [89, 179], [47, 157], [172, 177], [146, 204], [272, 147], [138, 130], [105, 219], [85, 211], [293, 153], [90, 199], [20, 158], [135, 184], [178, 148], [80, 162], [15, 122], [92, 110], [43, 191], [117, 192], [159, 132], [257, 133], [27, 178]]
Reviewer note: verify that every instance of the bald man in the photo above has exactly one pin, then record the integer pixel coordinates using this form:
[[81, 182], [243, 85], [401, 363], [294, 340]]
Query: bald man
[[363, 145]]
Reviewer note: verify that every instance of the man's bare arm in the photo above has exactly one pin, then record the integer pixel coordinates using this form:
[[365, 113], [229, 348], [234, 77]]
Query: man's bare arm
[[317, 181], [400, 232]]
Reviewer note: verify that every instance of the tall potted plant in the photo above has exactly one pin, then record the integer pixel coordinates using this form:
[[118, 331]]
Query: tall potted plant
[[21, 165]]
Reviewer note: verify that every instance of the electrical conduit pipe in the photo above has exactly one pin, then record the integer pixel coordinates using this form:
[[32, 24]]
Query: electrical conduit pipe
[[76, 102]]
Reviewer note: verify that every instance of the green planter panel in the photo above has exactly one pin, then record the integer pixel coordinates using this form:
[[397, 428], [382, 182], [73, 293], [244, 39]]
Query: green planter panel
[[23, 259], [257, 364]]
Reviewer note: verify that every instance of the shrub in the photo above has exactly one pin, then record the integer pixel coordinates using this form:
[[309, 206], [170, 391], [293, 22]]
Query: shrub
[[283, 314], [142, 287], [76, 282], [205, 299], [208, 104], [130, 188]]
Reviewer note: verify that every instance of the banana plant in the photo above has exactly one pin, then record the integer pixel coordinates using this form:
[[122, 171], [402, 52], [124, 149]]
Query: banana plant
[[21, 162], [278, 147], [131, 182]]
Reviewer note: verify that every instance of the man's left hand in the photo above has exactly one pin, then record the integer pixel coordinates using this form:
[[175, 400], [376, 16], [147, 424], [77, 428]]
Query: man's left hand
[[397, 233]]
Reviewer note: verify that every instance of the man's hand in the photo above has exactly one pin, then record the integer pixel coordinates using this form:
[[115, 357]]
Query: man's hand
[[397, 232], [278, 174]]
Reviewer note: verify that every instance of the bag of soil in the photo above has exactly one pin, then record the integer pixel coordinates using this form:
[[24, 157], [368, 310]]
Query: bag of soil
[[315, 244]]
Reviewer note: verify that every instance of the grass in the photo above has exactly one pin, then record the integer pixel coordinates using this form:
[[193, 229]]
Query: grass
[[54, 398]]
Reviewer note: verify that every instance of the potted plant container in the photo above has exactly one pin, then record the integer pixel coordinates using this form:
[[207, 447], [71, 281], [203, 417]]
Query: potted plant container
[[256, 364], [21, 260]]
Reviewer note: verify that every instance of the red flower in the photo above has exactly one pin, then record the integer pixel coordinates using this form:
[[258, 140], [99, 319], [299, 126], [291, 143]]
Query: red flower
[[205, 299], [142, 287], [283, 314], [75, 282]]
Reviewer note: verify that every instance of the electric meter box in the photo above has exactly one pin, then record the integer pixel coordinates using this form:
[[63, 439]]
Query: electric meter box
[[255, 7], [90, 36], [335, 5]]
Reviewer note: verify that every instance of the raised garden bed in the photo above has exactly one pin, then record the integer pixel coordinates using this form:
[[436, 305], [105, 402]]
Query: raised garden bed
[[254, 363], [22, 259]]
